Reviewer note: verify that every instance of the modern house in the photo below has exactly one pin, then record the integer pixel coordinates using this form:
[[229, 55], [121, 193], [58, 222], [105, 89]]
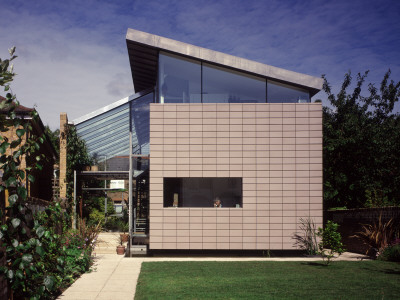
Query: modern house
[[232, 147]]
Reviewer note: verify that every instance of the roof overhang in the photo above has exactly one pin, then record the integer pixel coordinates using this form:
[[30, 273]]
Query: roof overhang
[[143, 51]]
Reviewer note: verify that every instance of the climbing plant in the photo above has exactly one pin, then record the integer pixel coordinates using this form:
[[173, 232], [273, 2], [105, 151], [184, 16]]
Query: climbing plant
[[21, 237]]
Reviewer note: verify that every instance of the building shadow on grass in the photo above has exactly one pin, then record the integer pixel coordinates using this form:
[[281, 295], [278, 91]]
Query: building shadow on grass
[[391, 271], [315, 263]]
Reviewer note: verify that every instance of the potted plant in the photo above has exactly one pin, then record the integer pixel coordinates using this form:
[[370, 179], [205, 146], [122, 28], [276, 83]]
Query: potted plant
[[121, 246], [124, 227]]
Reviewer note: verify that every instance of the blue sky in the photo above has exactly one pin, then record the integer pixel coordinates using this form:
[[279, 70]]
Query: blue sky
[[73, 57]]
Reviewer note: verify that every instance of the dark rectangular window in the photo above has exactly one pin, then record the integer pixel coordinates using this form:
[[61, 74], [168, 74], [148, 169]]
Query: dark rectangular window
[[203, 192]]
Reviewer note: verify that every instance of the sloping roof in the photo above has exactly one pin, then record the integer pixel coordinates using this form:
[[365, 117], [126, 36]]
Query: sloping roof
[[24, 112], [143, 56], [20, 108]]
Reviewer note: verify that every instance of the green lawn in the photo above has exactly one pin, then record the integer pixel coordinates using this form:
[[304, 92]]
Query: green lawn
[[269, 280]]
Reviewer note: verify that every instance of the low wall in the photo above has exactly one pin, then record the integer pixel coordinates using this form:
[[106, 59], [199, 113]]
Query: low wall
[[350, 222]]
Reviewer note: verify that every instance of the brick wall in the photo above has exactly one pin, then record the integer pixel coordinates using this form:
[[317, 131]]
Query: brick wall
[[275, 148], [42, 186], [11, 134]]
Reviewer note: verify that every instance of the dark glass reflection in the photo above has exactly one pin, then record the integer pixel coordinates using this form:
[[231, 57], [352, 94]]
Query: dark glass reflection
[[140, 109], [221, 85], [283, 93], [179, 80], [203, 192]]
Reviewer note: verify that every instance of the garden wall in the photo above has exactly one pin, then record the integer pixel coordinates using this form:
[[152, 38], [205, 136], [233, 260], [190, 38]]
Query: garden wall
[[350, 221]]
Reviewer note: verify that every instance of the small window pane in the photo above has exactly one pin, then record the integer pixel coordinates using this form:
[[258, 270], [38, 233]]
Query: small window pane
[[179, 79], [283, 93], [203, 192], [221, 85]]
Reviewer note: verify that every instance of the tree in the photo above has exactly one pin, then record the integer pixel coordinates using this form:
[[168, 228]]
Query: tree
[[77, 157], [54, 138], [362, 145]]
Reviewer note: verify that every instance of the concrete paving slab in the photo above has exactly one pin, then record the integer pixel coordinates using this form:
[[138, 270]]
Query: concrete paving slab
[[115, 295], [79, 295]]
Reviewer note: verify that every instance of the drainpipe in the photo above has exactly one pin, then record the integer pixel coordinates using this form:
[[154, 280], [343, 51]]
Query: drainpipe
[[74, 211], [130, 193], [105, 191]]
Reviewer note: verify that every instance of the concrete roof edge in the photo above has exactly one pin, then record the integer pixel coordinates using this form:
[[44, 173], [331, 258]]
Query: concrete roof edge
[[216, 57]]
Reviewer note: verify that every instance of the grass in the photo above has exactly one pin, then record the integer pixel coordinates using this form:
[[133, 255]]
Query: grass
[[269, 280]]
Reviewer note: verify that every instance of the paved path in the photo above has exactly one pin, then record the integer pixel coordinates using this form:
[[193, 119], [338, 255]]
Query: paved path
[[115, 276]]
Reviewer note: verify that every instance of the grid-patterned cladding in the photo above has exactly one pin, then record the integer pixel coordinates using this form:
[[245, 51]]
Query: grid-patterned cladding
[[275, 148]]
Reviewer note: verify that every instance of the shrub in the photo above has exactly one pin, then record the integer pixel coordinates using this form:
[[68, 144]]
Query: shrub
[[331, 241], [77, 247], [377, 236], [113, 224], [35, 269], [391, 253], [96, 217], [307, 241]]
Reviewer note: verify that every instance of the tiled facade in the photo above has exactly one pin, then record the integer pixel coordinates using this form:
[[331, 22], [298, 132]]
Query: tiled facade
[[275, 148]]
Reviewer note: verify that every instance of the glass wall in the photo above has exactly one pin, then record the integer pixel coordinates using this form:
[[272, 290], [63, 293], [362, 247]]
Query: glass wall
[[203, 192], [107, 134], [182, 80], [179, 79], [140, 118], [284, 93], [221, 85]]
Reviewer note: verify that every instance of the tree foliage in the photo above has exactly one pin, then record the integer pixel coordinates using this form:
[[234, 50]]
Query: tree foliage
[[77, 157], [362, 145], [53, 137], [41, 261]]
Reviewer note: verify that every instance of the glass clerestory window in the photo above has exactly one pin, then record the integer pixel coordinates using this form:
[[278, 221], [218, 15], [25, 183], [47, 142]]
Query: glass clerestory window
[[203, 192], [184, 80], [179, 80], [221, 85], [284, 93]]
